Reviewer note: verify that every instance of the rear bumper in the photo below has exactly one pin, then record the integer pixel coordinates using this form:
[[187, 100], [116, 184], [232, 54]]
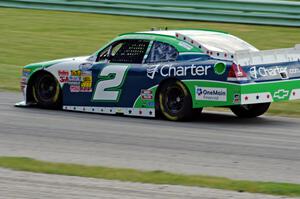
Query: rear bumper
[[270, 91], [207, 93]]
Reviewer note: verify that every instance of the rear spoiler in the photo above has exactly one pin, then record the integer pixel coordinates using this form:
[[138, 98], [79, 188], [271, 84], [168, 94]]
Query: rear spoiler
[[248, 58]]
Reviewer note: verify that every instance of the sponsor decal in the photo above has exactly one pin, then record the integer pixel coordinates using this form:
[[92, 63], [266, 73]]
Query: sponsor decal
[[79, 81], [74, 79], [236, 98], [211, 94], [294, 70], [26, 72], [24, 78], [75, 76], [63, 76], [281, 94], [146, 94], [220, 68], [76, 73], [177, 71], [75, 88], [256, 72], [86, 81], [152, 70], [151, 104], [23, 83], [86, 89]]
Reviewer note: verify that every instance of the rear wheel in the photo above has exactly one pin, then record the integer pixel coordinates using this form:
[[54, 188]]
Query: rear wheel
[[250, 110], [175, 101], [46, 91]]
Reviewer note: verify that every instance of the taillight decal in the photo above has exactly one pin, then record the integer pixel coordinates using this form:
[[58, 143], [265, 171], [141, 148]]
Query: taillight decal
[[236, 73]]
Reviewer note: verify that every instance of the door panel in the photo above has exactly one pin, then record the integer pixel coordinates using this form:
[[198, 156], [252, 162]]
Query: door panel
[[109, 83]]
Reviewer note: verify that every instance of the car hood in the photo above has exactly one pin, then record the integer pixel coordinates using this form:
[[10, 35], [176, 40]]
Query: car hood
[[47, 64]]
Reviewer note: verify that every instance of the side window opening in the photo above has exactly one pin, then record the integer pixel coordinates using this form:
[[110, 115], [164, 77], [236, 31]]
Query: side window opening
[[125, 51], [162, 52], [116, 48], [129, 51], [103, 55]]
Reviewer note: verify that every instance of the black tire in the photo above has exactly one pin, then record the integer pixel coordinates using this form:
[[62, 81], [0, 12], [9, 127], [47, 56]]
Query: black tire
[[46, 91], [250, 110], [175, 102]]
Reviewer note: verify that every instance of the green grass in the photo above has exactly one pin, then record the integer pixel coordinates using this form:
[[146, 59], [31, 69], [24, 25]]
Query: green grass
[[153, 177], [28, 36], [288, 108]]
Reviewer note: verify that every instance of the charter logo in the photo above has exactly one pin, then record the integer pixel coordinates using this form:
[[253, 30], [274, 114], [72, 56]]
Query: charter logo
[[211, 94], [177, 71], [256, 72], [151, 70]]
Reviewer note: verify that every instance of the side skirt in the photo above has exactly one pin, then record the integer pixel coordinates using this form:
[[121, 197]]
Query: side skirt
[[143, 112]]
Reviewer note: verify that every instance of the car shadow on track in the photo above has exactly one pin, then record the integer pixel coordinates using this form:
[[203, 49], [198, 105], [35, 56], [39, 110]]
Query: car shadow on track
[[217, 118]]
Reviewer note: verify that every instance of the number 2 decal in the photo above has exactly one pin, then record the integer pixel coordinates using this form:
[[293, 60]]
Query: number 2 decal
[[111, 78]]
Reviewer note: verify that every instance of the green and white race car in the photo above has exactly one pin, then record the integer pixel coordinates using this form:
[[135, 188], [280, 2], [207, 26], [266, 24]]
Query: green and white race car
[[171, 73]]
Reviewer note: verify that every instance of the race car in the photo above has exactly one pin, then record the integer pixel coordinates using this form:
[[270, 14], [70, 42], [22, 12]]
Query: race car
[[172, 73]]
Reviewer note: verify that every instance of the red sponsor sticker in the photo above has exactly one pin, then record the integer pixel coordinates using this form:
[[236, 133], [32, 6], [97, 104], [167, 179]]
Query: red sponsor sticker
[[63, 76], [236, 99], [75, 88], [85, 89], [146, 94]]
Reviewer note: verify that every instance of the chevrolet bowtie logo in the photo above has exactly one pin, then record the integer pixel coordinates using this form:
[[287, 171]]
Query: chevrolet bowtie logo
[[281, 94]]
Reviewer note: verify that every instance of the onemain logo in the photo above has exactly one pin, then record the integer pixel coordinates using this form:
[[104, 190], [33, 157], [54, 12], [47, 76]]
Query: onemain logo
[[177, 71], [211, 94]]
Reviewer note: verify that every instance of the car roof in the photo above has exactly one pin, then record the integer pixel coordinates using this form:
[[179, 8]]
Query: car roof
[[169, 36], [184, 32], [172, 33], [193, 40], [208, 40]]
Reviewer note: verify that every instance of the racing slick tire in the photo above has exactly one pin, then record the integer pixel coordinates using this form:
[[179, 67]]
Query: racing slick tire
[[175, 101], [250, 110], [46, 91]]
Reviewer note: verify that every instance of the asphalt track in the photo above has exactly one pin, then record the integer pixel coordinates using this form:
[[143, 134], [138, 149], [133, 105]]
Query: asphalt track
[[266, 148]]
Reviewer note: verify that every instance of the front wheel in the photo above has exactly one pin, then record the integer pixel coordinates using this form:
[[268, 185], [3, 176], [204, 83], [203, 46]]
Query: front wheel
[[250, 110], [46, 91], [175, 101]]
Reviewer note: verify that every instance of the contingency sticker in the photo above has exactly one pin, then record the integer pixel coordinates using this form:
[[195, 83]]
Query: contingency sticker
[[211, 94], [79, 81]]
